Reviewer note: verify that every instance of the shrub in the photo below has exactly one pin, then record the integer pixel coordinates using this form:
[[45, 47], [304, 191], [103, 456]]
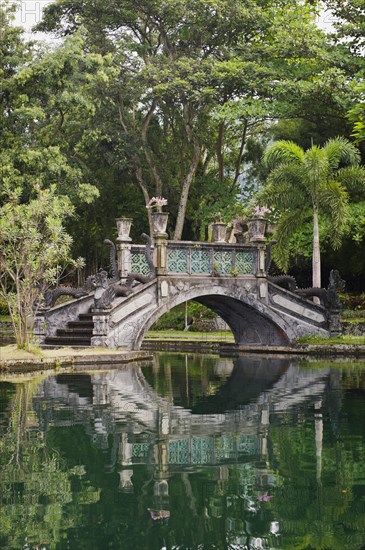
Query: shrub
[[353, 302], [3, 308]]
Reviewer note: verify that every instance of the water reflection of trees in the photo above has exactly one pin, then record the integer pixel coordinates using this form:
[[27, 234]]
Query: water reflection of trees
[[320, 502], [36, 485]]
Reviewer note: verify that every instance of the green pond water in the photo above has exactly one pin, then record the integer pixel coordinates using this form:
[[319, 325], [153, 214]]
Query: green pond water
[[191, 452]]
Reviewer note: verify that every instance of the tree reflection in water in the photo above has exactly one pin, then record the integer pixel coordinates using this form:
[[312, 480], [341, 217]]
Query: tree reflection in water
[[192, 452]]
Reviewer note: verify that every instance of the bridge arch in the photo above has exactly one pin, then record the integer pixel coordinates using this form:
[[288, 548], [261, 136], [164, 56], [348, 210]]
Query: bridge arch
[[250, 320]]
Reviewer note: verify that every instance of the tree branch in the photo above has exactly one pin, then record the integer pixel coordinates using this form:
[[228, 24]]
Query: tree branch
[[240, 154]]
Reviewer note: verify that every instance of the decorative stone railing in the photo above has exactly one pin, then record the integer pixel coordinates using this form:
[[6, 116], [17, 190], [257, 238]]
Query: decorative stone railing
[[138, 259], [194, 258], [203, 258]]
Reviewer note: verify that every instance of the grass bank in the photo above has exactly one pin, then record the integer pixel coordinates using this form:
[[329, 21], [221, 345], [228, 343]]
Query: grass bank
[[344, 339], [221, 336]]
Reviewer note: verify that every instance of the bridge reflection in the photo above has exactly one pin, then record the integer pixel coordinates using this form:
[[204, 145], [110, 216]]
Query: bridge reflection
[[164, 417]]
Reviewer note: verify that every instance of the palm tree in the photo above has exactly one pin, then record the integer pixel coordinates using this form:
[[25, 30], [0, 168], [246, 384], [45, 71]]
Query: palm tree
[[309, 183]]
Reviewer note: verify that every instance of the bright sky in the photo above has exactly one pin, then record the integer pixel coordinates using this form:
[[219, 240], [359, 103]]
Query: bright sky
[[30, 12]]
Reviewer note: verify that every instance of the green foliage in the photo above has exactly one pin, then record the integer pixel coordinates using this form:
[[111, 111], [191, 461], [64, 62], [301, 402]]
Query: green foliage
[[4, 310], [34, 248], [36, 485], [302, 183], [175, 318], [353, 302], [342, 339], [45, 102], [192, 82]]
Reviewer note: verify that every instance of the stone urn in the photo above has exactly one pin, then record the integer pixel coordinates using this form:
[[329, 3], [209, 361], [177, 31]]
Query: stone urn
[[124, 227], [257, 229], [159, 222], [219, 231]]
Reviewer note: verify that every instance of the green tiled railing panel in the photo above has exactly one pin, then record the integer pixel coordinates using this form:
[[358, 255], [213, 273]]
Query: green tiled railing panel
[[179, 451], [200, 261], [178, 260], [202, 450], [245, 263], [140, 450], [139, 263], [223, 261]]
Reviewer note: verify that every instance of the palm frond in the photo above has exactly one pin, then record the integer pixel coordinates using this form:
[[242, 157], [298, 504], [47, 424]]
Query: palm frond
[[316, 168], [341, 151], [283, 152], [284, 188], [286, 226], [333, 199], [353, 178]]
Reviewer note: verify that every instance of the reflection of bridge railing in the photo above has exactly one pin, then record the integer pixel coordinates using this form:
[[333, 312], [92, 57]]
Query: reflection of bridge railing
[[185, 257], [201, 450]]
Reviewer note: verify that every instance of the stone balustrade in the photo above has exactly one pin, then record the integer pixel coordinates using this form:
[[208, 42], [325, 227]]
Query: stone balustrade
[[201, 258]]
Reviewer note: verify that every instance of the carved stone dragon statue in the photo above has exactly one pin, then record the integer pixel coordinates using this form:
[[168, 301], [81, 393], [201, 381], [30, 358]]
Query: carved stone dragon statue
[[50, 296], [285, 281], [328, 296], [106, 288], [109, 288]]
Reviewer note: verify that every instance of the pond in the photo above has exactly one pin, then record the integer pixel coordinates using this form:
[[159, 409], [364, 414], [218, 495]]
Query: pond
[[191, 452]]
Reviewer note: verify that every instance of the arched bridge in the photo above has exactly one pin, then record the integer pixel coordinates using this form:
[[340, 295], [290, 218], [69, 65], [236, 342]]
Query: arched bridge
[[230, 279]]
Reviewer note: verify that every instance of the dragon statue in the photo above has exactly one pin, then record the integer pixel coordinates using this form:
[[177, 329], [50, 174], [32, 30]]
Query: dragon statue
[[109, 288], [328, 297], [284, 281], [50, 296], [106, 288], [133, 276]]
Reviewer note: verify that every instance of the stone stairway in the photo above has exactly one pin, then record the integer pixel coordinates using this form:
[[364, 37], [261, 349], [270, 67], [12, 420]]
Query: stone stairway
[[77, 334]]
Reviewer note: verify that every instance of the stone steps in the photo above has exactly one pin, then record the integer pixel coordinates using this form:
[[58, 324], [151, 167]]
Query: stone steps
[[76, 334]]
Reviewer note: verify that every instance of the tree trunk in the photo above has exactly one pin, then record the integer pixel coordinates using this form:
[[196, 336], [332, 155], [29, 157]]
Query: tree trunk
[[146, 149], [139, 176], [197, 151], [240, 154], [219, 149], [316, 262], [136, 159], [185, 193]]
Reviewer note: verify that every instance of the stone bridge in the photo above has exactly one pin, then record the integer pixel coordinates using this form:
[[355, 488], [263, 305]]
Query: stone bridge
[[230, 279]]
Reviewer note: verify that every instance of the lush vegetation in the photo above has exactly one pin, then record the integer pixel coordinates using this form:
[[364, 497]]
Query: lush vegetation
[[346, 339], [33, 246]]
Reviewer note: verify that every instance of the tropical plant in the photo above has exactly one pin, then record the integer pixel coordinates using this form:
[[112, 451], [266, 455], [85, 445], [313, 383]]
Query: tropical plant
[[33, 248], [306, 184]]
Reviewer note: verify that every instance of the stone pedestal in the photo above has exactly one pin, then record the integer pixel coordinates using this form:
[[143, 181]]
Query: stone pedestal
[[101, 328], [39, 334], [219, 231], [160, 241], [124, 255], [260, 267], [160, 253], [334, 323], [124, 259]]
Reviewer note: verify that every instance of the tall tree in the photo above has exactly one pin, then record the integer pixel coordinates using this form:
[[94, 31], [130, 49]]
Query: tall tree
[[306, 183], [179, 60], [348, 37]]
